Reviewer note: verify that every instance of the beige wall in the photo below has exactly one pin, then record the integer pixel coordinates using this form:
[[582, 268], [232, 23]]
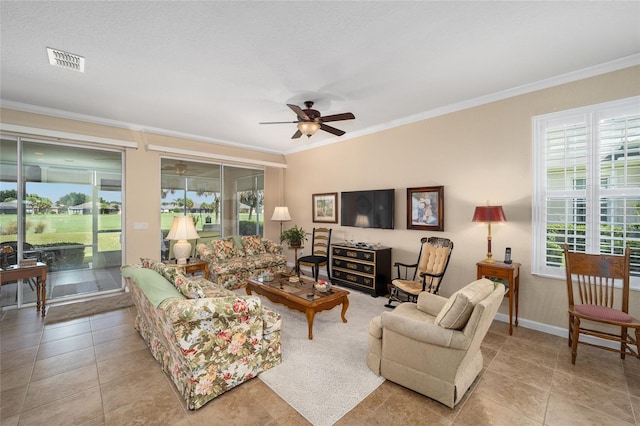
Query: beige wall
[[478, 154]]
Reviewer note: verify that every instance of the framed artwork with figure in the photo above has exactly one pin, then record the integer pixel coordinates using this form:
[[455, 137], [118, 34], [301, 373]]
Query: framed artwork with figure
[[325, 207], [425, 208]]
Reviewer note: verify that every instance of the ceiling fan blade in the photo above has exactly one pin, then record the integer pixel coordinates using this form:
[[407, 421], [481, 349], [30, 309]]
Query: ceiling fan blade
[[299, 112], [277, 122], [296, 135], [330, 129], [338, 117]]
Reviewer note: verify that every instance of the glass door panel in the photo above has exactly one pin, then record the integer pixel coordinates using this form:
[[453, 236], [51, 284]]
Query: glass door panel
[[71, 216], [190, 188]]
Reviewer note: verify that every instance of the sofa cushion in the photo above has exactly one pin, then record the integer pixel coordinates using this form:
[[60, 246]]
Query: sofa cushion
[[457, 310], [252, 245], [237, 242], [190, 288], [225, 248]]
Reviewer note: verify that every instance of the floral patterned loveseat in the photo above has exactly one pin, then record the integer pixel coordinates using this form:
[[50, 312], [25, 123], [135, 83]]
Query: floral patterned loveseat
[[207, 339], [233, 259]]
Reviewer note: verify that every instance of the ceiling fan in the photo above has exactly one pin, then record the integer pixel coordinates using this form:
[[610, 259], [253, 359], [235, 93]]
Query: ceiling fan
[[310, 121], [179, 168]]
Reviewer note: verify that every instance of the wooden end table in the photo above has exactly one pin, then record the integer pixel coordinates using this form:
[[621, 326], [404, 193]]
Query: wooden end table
[[192, 266], [38, 271], [294, 296], [505, 271]]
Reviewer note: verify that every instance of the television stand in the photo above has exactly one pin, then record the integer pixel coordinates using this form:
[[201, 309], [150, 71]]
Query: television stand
[[366, 269]]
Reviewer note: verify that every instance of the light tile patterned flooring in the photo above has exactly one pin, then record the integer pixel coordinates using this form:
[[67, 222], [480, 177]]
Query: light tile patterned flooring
[[98, 371]]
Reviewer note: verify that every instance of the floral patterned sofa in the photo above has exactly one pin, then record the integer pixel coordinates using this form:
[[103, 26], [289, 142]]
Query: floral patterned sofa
[[233, 259], [207, 339]]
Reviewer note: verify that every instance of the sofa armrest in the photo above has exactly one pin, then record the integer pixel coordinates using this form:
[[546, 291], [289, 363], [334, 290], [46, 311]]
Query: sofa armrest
[[424, 331], [206, 253], [192, 310], [430, 303], [272, 247]]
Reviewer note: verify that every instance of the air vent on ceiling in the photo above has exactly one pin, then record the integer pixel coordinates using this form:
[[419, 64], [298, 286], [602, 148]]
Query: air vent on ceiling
[[65, 60]]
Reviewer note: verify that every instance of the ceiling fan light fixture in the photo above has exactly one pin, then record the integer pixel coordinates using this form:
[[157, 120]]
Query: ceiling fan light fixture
[[181, 169], [308, 128]]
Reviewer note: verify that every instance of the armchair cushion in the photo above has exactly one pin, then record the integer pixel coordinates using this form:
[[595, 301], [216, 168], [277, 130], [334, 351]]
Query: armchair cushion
[[457, 310], [431, 303], [434, 260]]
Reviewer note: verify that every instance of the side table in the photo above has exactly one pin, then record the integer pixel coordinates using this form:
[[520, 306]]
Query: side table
[[192, 266], [296, 268], [505, 271], [39, 272]]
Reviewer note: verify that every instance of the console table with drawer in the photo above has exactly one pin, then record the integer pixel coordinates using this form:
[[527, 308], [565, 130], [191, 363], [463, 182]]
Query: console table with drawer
[[363, 268]]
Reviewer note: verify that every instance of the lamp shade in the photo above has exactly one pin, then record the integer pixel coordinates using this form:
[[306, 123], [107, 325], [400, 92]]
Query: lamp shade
[[182, 228], [489, 214], [308, 128], [281, 213]]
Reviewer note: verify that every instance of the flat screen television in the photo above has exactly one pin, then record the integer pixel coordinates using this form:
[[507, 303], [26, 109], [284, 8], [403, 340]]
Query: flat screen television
[[367, 209]]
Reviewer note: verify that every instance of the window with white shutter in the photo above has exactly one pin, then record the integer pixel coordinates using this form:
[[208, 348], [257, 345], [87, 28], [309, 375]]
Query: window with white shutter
[[587, 184]]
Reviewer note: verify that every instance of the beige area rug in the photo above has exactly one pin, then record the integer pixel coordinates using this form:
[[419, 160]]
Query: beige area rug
[[71, 311], [325, 378]]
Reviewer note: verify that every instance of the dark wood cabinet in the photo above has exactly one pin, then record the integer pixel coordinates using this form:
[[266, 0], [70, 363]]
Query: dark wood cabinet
[[361, 268]]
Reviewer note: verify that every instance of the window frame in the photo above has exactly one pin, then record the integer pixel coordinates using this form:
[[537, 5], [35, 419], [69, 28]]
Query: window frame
[[593, 194]]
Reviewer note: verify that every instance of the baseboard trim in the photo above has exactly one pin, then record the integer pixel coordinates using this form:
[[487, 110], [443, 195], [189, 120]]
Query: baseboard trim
[[557, 331]]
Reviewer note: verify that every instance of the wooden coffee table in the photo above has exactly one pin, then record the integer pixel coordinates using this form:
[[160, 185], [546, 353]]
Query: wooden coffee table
[[300, 296]]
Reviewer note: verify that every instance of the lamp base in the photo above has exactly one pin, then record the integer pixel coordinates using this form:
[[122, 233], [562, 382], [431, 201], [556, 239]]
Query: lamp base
[[182, 250]]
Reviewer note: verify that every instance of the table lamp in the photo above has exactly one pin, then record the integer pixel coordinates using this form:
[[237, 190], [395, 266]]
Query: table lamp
[[489, 214], [282, 214], [182, 229]]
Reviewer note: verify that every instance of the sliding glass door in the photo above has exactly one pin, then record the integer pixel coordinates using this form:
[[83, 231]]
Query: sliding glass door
[[62, 204], [223, 200]]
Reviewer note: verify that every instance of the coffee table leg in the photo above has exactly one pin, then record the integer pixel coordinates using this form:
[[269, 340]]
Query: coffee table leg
[[310, 315], [345, 306]]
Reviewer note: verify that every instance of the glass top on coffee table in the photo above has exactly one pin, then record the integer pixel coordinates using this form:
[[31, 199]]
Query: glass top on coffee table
[[304, 288], [301, 295]]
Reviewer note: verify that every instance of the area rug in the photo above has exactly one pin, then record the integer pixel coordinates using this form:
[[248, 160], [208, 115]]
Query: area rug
[[325, 378], [71, 311]]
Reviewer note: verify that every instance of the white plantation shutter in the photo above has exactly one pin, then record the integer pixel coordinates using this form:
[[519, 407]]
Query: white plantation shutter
[[587, 184]]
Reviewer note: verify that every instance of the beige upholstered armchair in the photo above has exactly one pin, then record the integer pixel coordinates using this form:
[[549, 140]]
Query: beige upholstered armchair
[[433, 347]]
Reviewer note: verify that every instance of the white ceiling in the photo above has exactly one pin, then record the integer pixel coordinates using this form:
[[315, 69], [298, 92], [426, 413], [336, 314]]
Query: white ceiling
[[213, 70]]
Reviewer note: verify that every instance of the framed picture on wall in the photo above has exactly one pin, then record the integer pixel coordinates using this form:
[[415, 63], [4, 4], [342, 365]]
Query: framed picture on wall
[[425, 208], [325, 207]]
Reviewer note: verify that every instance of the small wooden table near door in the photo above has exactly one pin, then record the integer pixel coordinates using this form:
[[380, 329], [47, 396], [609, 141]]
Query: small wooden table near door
[[38, 271], [192, 266], [509, 272]]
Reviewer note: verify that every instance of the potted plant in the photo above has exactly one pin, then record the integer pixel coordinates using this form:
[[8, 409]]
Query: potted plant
[[293, 236]]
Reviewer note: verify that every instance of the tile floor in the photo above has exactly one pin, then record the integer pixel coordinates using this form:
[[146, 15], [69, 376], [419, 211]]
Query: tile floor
[[97, 371]]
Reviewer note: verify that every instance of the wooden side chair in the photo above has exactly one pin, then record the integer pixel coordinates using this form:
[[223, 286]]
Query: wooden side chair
[[320, 246], [424, 275], [591, 279]]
